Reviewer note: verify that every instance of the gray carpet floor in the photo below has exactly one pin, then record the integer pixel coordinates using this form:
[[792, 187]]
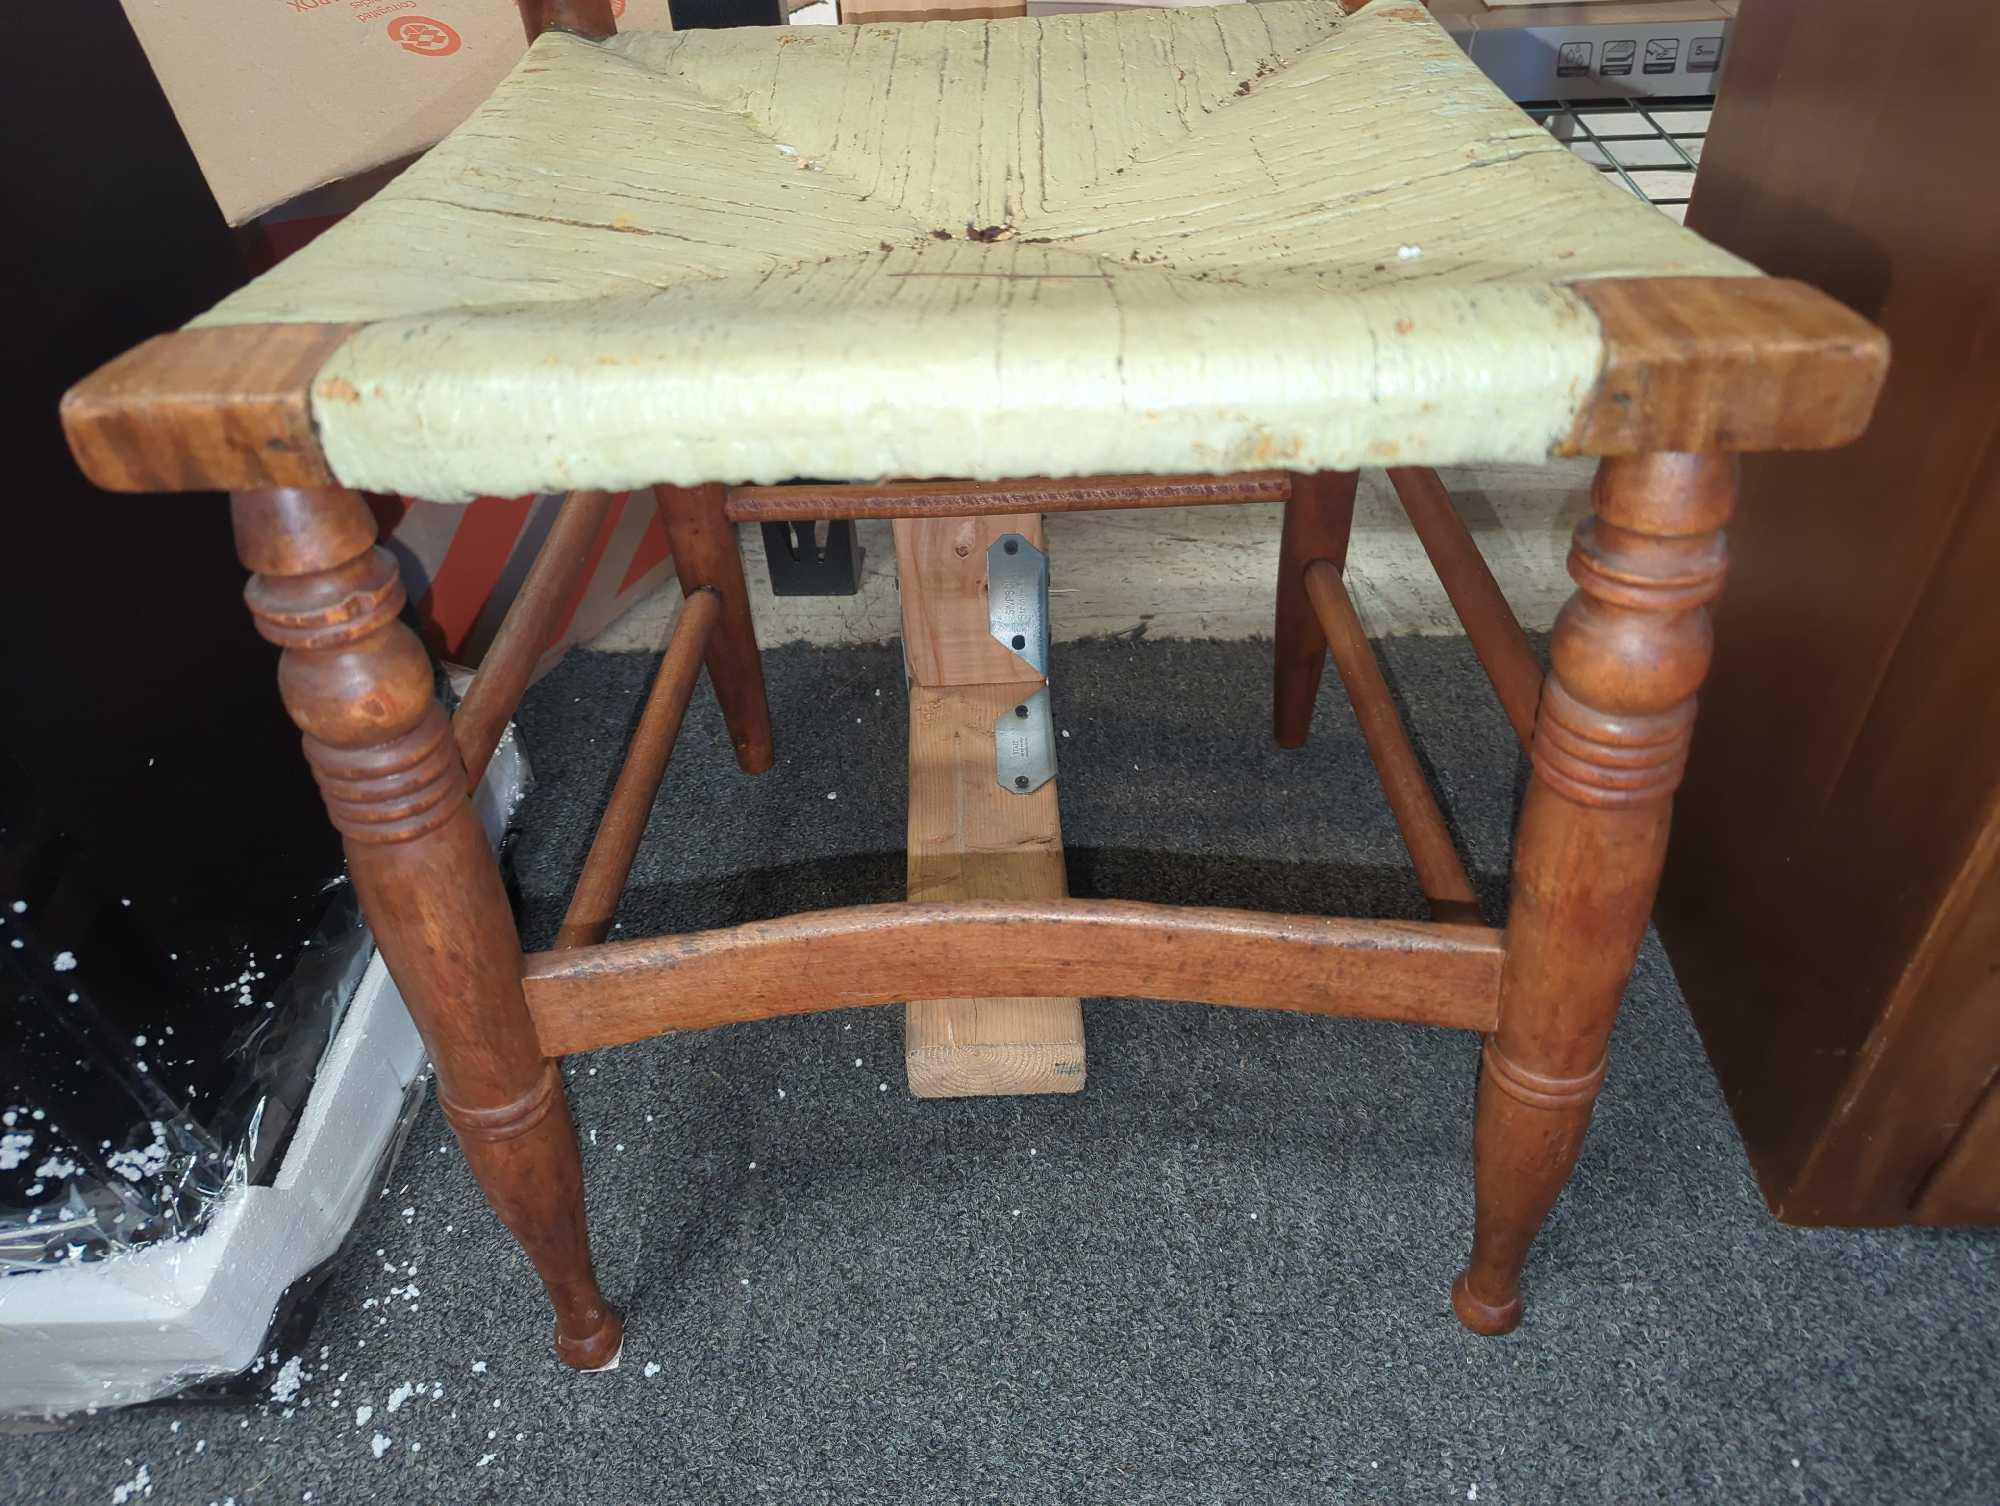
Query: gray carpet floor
[[1217, 1275]]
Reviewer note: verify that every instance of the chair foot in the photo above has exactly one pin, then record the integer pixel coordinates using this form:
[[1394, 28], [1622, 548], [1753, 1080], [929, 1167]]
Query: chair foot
[[1481, 1316], [598, 1350]]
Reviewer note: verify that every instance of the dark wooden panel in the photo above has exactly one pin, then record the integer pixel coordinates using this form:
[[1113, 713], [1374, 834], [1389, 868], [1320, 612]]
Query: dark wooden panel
[[1836, 822], [1964, 1186]]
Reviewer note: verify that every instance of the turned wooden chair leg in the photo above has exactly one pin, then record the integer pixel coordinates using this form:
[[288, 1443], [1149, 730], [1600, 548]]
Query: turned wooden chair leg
[[359, 685], [706, 554], [1318, 517], [1611, 738], [587, 18]]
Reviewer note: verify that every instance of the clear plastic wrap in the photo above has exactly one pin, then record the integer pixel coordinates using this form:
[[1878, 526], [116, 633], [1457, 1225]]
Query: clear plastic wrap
[[187, 1138], [116, 1137]]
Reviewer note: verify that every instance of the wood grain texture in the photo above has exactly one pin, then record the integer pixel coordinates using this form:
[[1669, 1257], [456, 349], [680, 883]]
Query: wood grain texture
[[877, 954], [941, 574], [1962, 1188], [1923, 1077], [1418, 816], [594, 902], [1726, 363], [205, 410], [1858, 648], [1318, 519], [1489, 622], [969, 839], [805, 501], [358, 684], [527, 630], [287, 531]]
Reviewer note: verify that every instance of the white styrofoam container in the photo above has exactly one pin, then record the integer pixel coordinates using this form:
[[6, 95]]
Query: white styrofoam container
[[142, 1325]]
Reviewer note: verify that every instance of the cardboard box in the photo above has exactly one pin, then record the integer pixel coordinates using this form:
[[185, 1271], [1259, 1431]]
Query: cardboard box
[[281, 96]]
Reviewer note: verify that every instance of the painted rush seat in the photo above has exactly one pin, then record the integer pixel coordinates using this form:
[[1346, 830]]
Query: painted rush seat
[[1227, 238]]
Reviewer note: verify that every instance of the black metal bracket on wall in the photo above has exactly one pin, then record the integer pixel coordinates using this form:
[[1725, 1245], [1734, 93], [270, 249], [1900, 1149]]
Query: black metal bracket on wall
[[803, 562], [695, 15]]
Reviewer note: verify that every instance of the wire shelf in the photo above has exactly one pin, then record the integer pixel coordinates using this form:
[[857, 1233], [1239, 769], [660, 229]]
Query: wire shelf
[[1651, 147]]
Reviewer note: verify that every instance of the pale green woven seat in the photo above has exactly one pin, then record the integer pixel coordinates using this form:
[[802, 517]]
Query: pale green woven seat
[[1226, 238]]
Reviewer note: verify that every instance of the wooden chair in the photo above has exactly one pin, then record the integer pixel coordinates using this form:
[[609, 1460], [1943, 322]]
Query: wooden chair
[[1282, 242]]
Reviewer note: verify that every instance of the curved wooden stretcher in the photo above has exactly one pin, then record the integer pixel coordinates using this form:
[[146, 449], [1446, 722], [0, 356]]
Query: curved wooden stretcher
[[1287, 241]]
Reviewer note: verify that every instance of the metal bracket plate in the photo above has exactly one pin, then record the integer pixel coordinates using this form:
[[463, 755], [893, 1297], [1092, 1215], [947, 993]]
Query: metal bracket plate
[[1017, 598], [1024, 745]]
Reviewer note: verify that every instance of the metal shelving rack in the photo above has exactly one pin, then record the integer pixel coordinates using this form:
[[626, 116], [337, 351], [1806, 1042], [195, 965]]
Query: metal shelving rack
[[1652, 147]]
